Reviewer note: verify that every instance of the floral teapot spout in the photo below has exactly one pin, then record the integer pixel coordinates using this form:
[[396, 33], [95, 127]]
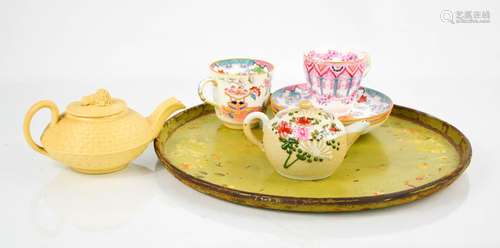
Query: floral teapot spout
[[304, 143], [98, 134]]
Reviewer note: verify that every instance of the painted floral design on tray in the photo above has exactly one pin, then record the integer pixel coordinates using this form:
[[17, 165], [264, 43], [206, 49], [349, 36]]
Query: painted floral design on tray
[[307, 135]]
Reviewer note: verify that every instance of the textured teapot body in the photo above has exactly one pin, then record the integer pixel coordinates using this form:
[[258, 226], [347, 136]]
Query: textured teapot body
[[97, 144], [305, 143], [93, 137]]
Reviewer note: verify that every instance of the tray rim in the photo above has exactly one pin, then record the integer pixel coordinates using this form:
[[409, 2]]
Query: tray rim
[[322, 204]]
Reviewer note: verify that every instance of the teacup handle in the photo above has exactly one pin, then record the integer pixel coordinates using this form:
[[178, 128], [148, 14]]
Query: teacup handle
[[201, 89], [29, 116], [247, 127]]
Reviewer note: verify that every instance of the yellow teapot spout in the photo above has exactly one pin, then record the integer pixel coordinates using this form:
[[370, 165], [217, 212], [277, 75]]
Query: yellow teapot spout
[[162, 112]]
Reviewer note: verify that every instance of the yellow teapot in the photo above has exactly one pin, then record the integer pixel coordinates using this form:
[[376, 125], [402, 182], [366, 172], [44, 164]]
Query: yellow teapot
[[98, 134]]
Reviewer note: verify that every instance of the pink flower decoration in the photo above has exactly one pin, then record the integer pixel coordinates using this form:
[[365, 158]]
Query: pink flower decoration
[[302, 133], [349, 57], [332, 54], [267, 83], [323, 99]]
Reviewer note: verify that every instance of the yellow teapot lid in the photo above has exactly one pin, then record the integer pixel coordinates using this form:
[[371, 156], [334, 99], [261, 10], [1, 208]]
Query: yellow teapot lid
[[100, 104]]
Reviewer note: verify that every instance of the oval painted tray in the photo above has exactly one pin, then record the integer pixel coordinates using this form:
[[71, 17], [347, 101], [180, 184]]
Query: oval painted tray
[[410, 156]]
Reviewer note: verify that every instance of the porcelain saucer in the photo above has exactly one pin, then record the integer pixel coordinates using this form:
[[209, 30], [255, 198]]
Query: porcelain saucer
[[373, 106]]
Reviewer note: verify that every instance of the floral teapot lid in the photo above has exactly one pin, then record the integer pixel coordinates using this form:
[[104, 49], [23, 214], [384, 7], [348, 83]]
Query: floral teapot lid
[[306, 124], [100, 104]]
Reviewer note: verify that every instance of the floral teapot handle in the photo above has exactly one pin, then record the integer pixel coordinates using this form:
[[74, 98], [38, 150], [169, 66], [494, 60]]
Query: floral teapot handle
[[247, 127]]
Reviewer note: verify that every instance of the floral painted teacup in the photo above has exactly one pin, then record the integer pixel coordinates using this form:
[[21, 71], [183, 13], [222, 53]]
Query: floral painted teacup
[[334, 78], [241, 86]]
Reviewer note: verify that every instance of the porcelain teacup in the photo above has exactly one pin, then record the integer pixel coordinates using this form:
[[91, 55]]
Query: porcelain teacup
[[240, 86], [334, 78]]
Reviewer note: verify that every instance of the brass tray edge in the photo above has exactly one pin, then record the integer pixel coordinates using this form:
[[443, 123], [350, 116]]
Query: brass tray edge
[[345, 204]]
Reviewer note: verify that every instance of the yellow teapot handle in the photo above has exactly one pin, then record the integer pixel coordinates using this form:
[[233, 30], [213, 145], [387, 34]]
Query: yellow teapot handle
[[29, 116]]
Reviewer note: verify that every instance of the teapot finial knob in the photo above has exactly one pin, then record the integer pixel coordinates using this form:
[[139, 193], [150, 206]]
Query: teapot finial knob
[[100, 98], [305, 104]]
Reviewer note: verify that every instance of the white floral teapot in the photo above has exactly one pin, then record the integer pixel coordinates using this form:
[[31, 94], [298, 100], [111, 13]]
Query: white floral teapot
[[304, 143]]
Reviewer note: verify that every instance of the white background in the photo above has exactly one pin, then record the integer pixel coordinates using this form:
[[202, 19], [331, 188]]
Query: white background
[[146, 51]]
